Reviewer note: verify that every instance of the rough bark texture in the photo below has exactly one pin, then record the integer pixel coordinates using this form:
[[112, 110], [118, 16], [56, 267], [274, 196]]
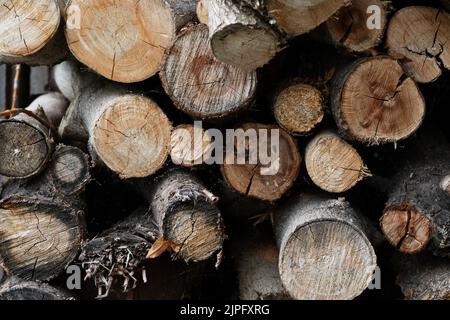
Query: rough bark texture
[[374, 102], [418, 209], [333, 164], [263, 181], [324, 252], [239, 36], [127, 132], [42, 228], [125, 41], [28, 139], [185, 214], [16, 289], [423, 277], [199, 84], [418, 37], [299, 108]]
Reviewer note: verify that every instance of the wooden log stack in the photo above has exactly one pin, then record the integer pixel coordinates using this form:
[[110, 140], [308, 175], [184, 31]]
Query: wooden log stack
[[259, 149]]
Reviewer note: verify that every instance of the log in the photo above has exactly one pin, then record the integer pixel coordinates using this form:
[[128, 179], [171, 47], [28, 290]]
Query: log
[[190, 146], [423, 277], [374, 102], [127, 132], [418, 36], [349, 27], [417, 211], [16, 289], [185, 214], [28, 139], [202, 12], [324, 252], [261, 180], [29, 32], [70, 80], [239, 36], [299, 108], [199, 84], [42, 228], [333, 164], [299, 17], [114, 41]]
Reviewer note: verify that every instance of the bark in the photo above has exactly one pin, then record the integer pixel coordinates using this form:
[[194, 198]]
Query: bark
[[324, 251], [28, 139], [418, 37], [127, 132], [299, 108], [16, 289], [260, 180], [31, 32], [239, 35], [374, 102], [125, 48], [42, 228], [333, 164], [185, 214], [417, 211], [199, 84]]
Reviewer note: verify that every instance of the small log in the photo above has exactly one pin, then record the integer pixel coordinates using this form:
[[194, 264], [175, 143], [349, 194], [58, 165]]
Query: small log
[[324, 251], [199, 84], [127, 132], [333, 164], [42, 228], [418, 37], [374, 102], [28, 139], [239, 36], [190, 146], [299, 108], [423, 277], [185, 214], [16, 289], [29, 32], [125, 41], [349, 28], [263, 181]]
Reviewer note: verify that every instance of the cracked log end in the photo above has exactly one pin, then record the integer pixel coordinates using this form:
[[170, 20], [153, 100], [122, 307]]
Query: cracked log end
[[374, 102], [201, 85], [333, 164], [418, 37], [349, 27], [265, 182], [324, 252], [190, 146], [27, 26], [299, 108], [25, 149], [299, 17], [122, 40], [406, 228], [39, 238], [15, 289], [132, 137]]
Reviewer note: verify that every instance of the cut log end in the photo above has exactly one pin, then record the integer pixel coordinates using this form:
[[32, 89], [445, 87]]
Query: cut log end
[[132, 137], [202, 12], [445, 184], [26, 149], [374, 102], [299, 108], [190, 146], [426, 54], [333, 164], [199, 84], [32, 232], [129, 36], [18, 290], [268, 182], [27, 26], [406, 228]]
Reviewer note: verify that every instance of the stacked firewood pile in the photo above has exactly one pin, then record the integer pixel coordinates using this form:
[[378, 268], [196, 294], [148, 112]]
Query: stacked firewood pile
[[121, 167]]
